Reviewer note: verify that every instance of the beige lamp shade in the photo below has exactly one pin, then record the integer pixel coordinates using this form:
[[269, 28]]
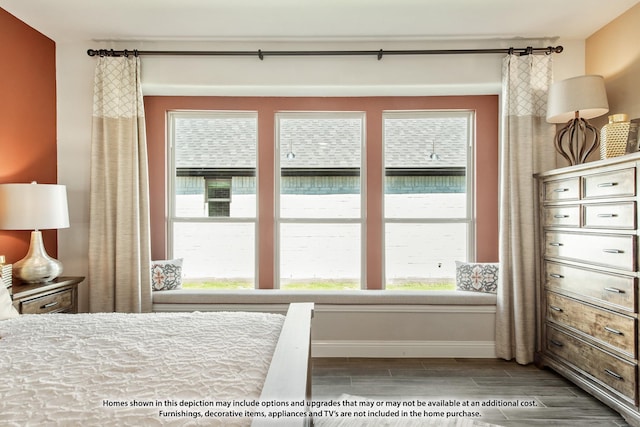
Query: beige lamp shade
[[584, 94], [33, 206]]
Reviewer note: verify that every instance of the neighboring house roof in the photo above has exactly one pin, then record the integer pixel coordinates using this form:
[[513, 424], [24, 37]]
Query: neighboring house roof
[[229, 143]]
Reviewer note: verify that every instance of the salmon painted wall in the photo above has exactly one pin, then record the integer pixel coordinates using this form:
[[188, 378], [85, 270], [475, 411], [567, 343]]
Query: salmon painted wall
[[486, 108], [27, 119]]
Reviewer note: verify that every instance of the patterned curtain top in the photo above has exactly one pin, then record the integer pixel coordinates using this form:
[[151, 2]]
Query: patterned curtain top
[[117, 89], [525, 83]]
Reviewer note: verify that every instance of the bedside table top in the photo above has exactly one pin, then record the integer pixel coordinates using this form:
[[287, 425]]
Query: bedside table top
[[21, 290]]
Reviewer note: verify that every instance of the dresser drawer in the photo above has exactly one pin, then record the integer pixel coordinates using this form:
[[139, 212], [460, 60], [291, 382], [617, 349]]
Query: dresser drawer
[[610, 215], [619, 183], [563, 189], [612, 290], [54, 302], [562, 216], [608, 250], [618, 374], [611, 329]]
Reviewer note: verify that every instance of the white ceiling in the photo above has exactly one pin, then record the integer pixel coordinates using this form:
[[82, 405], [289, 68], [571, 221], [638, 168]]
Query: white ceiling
[[73, 20]]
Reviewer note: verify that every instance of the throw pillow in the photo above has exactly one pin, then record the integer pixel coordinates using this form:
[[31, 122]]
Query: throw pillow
[[166, 275], [7, 310], [477, 276]]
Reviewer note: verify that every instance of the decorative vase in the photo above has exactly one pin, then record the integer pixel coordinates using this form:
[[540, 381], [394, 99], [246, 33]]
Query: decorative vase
[[613, 136]]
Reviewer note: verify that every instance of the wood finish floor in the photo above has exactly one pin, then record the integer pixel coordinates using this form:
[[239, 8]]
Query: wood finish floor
[[558, 402]]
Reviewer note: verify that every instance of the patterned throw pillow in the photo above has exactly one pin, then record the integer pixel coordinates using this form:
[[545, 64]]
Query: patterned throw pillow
[[477, 277], [166, 275]]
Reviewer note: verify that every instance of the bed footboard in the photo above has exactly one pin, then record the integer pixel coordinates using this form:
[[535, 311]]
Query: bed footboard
[[289, 376]]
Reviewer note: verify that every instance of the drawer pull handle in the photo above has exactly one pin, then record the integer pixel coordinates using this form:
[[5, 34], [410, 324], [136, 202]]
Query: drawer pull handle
[[613, 251], [556, 276], [559, 216], [556, 343], [613, 374], [607, 184], [615, 290], [560, 190], [606, 215], [554, 308], [555, 244], [613, 331], [49, 305]]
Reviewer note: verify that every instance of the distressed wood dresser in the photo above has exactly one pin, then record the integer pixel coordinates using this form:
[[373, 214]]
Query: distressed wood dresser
[[588, 278]]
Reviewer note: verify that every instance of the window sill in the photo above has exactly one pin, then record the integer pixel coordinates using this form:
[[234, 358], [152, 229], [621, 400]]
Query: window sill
[[359, 297]]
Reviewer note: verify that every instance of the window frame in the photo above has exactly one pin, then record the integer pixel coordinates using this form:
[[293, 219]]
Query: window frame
[[171, 175], [470, 215], [361, 219], [486, 107]]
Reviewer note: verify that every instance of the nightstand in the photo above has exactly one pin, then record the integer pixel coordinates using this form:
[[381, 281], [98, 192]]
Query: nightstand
[[58, 296]]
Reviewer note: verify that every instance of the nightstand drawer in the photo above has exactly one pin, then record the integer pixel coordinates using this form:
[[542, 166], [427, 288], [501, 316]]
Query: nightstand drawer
[[608, 369], [613, 290], [609, 328], [610, 184], [562, 216], [616, 251], [610, 215], [565, 189], [55, 302]]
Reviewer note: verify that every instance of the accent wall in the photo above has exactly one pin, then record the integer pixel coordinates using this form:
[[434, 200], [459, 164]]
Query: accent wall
[[28, 149]]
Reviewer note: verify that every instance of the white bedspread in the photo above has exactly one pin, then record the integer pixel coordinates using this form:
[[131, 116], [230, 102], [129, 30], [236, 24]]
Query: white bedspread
[[82, 369]]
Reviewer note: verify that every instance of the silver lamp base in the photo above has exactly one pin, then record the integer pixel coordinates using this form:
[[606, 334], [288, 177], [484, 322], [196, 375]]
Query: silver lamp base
[[37, 266]]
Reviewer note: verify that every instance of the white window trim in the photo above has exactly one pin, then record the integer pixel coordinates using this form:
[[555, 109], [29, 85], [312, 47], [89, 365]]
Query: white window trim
[[171, 175], [363, 189], [470, 218]]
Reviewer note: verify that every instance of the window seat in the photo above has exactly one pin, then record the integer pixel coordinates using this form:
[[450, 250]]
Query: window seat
[[161, 299], [366, 323]]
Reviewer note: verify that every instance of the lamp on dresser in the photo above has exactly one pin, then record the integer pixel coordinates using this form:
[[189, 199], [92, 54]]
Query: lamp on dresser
[[572, 101], [34, 207]]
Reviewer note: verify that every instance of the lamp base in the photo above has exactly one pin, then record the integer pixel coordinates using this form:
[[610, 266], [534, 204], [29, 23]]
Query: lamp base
[[37, 266], [577, 140]]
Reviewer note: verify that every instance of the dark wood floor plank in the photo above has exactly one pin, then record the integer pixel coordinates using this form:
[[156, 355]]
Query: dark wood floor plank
[[557, 401]]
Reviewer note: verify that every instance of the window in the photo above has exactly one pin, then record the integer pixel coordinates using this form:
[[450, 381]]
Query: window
[[218, 191], [212, 209], [427, 203], [320, 213], [323, 193]]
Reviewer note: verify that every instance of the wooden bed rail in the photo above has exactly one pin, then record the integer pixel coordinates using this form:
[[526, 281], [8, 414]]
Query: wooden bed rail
[[289, 376]]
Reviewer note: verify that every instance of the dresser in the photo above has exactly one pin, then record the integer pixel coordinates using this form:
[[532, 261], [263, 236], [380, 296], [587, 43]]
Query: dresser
[[58, 296], [588, 278]]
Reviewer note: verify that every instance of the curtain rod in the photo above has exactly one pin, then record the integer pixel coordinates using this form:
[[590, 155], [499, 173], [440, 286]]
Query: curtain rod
[[261, 54]]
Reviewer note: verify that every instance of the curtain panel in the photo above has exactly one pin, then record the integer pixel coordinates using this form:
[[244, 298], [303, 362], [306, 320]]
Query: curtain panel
[[527, 148], [119, 233]]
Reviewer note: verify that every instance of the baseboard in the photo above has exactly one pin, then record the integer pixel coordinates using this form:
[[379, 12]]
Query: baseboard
[[404, 348]]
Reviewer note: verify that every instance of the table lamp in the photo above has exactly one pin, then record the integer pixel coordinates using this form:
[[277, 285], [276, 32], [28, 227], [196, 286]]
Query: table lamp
[[34, 207], [572, 101]]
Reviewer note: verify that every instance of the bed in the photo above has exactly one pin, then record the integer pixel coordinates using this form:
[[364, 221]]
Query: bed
[[199, 368]]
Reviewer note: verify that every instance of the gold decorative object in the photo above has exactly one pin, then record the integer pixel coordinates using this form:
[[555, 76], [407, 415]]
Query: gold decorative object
[[613, 136]]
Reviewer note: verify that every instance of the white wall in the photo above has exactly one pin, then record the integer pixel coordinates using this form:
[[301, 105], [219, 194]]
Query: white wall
[[288, 76]]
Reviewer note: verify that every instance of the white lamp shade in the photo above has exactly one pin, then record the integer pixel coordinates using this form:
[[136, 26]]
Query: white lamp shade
[[584, 94], [33, 206]]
